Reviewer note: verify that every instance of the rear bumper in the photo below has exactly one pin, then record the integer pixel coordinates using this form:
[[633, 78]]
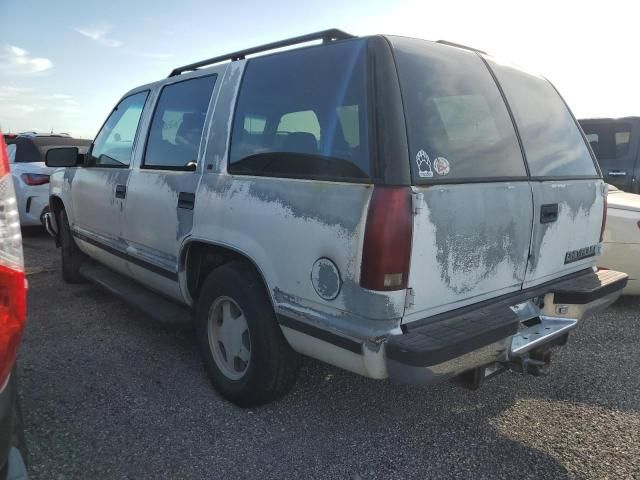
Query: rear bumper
[[505, 332]]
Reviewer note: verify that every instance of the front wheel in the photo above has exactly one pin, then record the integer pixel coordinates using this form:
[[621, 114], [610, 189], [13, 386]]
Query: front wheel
[[244, 351]]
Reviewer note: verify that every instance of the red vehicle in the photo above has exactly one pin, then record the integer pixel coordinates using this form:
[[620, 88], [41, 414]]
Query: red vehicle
[[12, 321]]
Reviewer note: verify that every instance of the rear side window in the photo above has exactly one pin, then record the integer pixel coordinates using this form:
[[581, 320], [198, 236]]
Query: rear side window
[[27, 151], [609, 141], [552, 142], [457, 123], [303, 114], [177, 124]]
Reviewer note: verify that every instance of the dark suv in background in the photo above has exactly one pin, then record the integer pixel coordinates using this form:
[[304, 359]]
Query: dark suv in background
[[615, 143]]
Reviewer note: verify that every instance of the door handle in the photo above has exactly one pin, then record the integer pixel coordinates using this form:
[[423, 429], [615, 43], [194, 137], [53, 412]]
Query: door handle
[[617, 173], [121, 191], [549, 213], [186, 200]]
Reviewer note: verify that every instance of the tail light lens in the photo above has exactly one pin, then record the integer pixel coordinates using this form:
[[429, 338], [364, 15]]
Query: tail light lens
[[34, 179], [12, 279], [604, 215], [387, 240]]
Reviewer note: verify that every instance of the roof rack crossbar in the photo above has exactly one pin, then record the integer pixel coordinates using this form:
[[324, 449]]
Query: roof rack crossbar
[[325, 35], [459, 45]]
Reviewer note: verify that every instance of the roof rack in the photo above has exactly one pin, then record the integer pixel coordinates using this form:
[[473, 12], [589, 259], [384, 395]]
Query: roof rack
[[459, 45], [325, 35]]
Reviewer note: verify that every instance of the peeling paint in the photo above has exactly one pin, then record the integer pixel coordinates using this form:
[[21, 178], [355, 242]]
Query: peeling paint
[[580, 205], [470, 241]]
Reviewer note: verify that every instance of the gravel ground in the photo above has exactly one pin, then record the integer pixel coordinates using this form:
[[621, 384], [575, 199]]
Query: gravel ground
[[108, 394]]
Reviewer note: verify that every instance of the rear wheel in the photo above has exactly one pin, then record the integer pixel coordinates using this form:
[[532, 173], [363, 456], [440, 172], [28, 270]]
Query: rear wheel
[[246, 356], [72, 257]]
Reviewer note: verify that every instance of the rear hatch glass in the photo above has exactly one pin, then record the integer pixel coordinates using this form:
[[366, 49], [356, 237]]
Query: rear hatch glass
[[457, 123], [550, 135]]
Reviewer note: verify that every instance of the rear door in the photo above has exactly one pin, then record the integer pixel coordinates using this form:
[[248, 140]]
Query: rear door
[[472, 229], [568, 193], [161, 191], [615, 143]]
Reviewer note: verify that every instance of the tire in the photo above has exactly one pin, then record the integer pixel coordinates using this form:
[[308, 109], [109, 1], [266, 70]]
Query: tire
[[72, 257], [272, 365]]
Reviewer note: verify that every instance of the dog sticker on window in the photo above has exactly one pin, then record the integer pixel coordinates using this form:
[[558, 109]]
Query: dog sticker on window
[[441, 166], [424, 165]]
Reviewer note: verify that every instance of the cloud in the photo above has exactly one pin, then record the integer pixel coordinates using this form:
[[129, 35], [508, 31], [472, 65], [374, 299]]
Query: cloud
[[19, 102], [16, 60], [99, 33], [7, 92]]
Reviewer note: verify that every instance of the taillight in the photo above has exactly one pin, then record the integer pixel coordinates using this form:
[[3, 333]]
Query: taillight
[[387, 240], [604, 215], [34, 179], [12, 279]]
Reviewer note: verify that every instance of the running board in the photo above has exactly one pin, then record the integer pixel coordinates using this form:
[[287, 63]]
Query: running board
[[166, 312]]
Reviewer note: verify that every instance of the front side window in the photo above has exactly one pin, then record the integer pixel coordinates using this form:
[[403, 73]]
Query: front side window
[[609, 141], [553, 144], [177, 124], [458, 126], [114, 144], [303, 114]]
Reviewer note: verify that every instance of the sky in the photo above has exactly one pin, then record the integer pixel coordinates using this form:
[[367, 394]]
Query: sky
[[65, 64]]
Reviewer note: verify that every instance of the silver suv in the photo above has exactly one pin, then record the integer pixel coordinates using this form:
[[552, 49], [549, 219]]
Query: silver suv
[[396, 207]]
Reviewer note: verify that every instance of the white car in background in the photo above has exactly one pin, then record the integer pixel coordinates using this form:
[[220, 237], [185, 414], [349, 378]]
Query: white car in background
[[621, 242], [31, 175]]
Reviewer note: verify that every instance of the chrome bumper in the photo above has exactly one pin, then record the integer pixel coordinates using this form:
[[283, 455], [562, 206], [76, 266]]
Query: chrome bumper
[[540, 328]]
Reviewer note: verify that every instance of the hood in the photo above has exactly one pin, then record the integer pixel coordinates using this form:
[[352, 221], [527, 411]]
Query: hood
[[623, 200]]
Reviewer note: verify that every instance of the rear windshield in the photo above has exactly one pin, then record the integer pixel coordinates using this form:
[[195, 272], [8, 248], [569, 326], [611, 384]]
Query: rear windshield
[[457, 123], [610, 140], [552, 142]]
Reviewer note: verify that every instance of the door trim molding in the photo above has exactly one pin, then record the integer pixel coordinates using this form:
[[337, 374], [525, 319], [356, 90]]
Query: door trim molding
[[128, 257]]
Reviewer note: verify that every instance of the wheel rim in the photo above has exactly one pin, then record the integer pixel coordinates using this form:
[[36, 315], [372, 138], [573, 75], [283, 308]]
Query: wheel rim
[[229, 338]]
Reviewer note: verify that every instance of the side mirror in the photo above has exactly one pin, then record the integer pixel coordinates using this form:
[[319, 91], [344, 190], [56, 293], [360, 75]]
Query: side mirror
[[63, 157]]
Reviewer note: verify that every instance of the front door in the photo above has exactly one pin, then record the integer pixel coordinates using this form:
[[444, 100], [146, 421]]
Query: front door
[[100, 186], [161, 190]]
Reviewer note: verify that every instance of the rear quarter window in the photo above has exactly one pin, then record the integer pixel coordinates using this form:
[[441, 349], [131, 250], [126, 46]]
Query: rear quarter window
[[553, 144], [303, 114], [458, 125]]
